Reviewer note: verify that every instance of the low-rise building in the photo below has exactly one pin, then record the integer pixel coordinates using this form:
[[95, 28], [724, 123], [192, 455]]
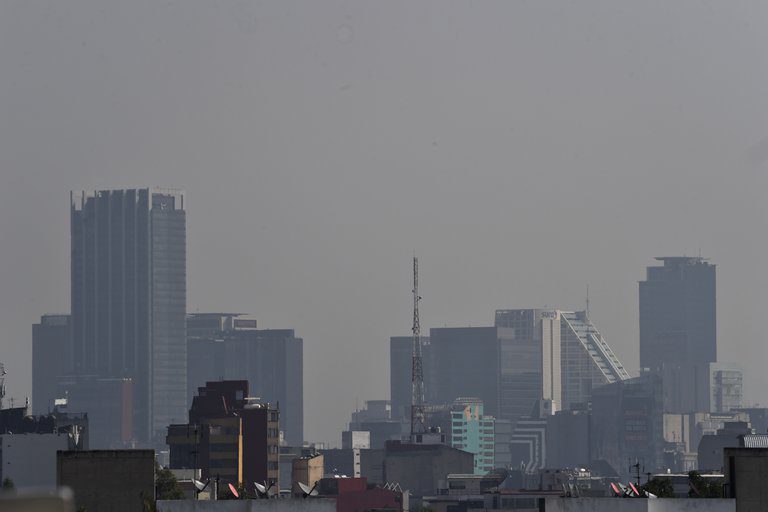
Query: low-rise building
[[308, 471], [421, 468], [114, 480], [745, 477], [229, 436], [356, 495]]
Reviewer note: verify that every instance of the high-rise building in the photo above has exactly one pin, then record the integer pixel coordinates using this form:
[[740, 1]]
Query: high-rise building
[[678, 313], [529, 355], [530, 360], [228, 346], [473, 432], [51, 358], [575, 356], [108, 402], [129, 298], [470, 361], [702, 387], [586, 358]]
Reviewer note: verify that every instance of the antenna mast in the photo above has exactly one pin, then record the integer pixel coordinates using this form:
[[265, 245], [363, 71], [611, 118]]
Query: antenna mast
[[2, 384], [587, 311], [418, 415]]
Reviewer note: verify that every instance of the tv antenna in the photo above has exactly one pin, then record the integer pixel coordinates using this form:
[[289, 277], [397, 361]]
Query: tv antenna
[[587, 310], [418, 412], [2, 384]]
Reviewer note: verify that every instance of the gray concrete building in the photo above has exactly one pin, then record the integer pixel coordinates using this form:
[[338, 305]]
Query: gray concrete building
[[678, 313], [114, 480], [51, 358], [627, 424], [702, 387], [128, 273], [466, 362], [567, 439], [29, 460], [420, 468], [745, 471], [227, 346]]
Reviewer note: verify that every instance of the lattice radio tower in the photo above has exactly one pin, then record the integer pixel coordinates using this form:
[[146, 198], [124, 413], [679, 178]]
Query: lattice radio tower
[[418, 414]]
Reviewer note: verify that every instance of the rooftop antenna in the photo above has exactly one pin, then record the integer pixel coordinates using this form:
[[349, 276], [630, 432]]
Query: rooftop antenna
[[418, 413], [2, 383], [587, 311]]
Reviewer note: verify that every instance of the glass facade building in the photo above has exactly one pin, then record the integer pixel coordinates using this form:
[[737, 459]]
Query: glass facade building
[[530, 360], [587, 359], [678, 313], [128, 270]]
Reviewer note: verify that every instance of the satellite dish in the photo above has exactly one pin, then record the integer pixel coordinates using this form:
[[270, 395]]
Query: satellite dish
[[233, 491], [200, 486], [616, 490], [307, 490], [634, 489], [260, 488]]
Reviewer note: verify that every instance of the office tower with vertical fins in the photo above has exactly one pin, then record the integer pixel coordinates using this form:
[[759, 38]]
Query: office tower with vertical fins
[[129, 298]]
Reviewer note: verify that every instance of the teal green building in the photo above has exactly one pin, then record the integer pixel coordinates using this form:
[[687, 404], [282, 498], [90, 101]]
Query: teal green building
[[473, 432]]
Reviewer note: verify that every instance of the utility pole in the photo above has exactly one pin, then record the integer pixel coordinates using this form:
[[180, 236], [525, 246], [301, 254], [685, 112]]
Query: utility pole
[[418, 413]]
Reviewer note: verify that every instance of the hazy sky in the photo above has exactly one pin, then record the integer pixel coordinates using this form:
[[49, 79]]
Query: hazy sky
[[522, 148]]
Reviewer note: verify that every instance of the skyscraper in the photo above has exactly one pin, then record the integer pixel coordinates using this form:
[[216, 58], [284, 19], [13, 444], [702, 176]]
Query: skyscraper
[[129, 298], [586, 358], [530, 360], [677, 313]]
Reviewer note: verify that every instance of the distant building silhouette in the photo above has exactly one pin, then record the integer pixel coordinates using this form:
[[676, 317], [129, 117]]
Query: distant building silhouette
[[51, 358], [529, 355], [129, 298], [627, 424], [228, 346], [678, 313]]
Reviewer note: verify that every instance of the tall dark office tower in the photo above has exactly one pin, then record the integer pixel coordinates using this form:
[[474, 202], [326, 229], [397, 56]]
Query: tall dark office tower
[[129, 298], [677, 313], [51, 353]]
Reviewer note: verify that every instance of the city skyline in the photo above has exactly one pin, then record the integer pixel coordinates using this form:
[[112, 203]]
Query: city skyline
[[322, 145]]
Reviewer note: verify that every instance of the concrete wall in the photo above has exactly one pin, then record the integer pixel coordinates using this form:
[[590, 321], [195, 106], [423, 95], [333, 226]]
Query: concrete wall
[[114, 480], [281, 505], [30, 459], [746, 474], [422, 471], [638, 505]]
